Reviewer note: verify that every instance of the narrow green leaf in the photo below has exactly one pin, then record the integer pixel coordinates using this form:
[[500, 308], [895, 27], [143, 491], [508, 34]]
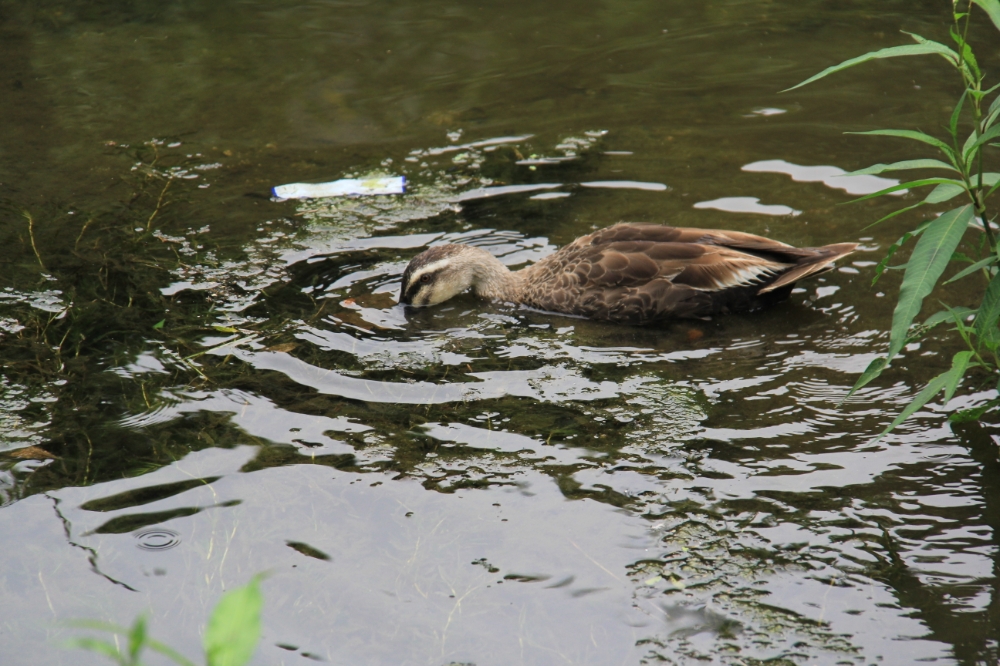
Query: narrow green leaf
[[96, 645], [927, 263], [933, 388], [924, 48], [234, 628], [948, 381], [985, 325], [948, 315], [906, 186], [911, 134], [894, 214], [137, 638], [953, 124], [960, 326], [873, 370], [996, 102], [992, 8], [158, 325], [974, 268], [967, 56], [991, 117], [985, 137], [992, 190], [960, 362], [945, 192], [884, 264], [900, 166], [969, 142]]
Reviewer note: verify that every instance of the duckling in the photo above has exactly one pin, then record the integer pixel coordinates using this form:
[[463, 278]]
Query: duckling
[[629, 273]]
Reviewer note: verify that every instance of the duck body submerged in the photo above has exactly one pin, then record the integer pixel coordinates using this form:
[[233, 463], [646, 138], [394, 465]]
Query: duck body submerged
[[628, 273]]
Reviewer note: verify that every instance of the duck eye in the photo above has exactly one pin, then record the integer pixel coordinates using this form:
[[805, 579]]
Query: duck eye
[[425, 278]]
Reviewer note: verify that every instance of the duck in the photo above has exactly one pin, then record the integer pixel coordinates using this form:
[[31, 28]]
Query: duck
[[629, 273]]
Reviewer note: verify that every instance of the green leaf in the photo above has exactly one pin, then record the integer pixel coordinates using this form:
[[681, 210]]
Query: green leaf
[[969, 142], [953, 124], [900, 166], [985, 325], [911, 134], [992, 190], [996, 102], [136, 639], [969, 270], [960, 326], [992, 8], [895, 213], [989, 178], [991, 117], [967, 56], [884, 264], [927, 263], [907, 186], [234, 628], [873, 370], [959, 364], [985, 137], [948, 315], [99, 646], [946, 380], [924, 48], [945, 191], [158, 325]]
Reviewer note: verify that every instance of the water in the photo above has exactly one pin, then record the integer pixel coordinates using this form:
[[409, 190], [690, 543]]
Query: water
[[201, 384]]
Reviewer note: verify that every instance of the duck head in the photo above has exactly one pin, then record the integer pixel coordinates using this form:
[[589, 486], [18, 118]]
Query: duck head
[[437, 274]]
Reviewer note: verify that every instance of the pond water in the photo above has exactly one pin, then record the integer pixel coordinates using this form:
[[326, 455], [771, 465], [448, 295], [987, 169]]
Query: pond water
[[201, 383]]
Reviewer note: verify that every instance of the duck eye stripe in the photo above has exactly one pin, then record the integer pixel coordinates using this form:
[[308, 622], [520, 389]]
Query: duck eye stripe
[[416, 282]]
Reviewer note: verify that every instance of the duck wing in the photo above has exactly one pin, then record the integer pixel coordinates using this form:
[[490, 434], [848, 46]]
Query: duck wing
[[637, 273]]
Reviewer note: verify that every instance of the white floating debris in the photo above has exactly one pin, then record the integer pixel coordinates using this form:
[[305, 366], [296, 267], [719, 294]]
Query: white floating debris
[[746, 205], [768, 111], [340, 188], [627, 185]]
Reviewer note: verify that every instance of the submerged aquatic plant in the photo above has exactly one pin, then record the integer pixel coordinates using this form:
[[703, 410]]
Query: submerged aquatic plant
[[230, 637], [938, 238]]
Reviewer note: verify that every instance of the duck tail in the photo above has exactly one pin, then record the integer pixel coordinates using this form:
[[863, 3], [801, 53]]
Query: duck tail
[[819, 260]]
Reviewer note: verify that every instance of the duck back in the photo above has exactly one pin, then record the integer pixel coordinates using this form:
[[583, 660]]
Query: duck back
[[643, 273]]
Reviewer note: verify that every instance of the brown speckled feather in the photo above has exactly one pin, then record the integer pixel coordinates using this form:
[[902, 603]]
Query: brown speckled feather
[[637, 273]]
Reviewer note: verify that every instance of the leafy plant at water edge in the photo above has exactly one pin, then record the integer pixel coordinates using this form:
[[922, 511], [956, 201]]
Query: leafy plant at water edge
[[938, 239], [230, 638]]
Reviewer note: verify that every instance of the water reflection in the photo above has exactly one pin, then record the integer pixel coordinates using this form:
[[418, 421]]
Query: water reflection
[[228, 379], [747, 205], [830, 176]]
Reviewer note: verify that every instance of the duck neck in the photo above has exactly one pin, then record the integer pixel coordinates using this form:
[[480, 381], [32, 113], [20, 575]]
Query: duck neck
[[492, 280]]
